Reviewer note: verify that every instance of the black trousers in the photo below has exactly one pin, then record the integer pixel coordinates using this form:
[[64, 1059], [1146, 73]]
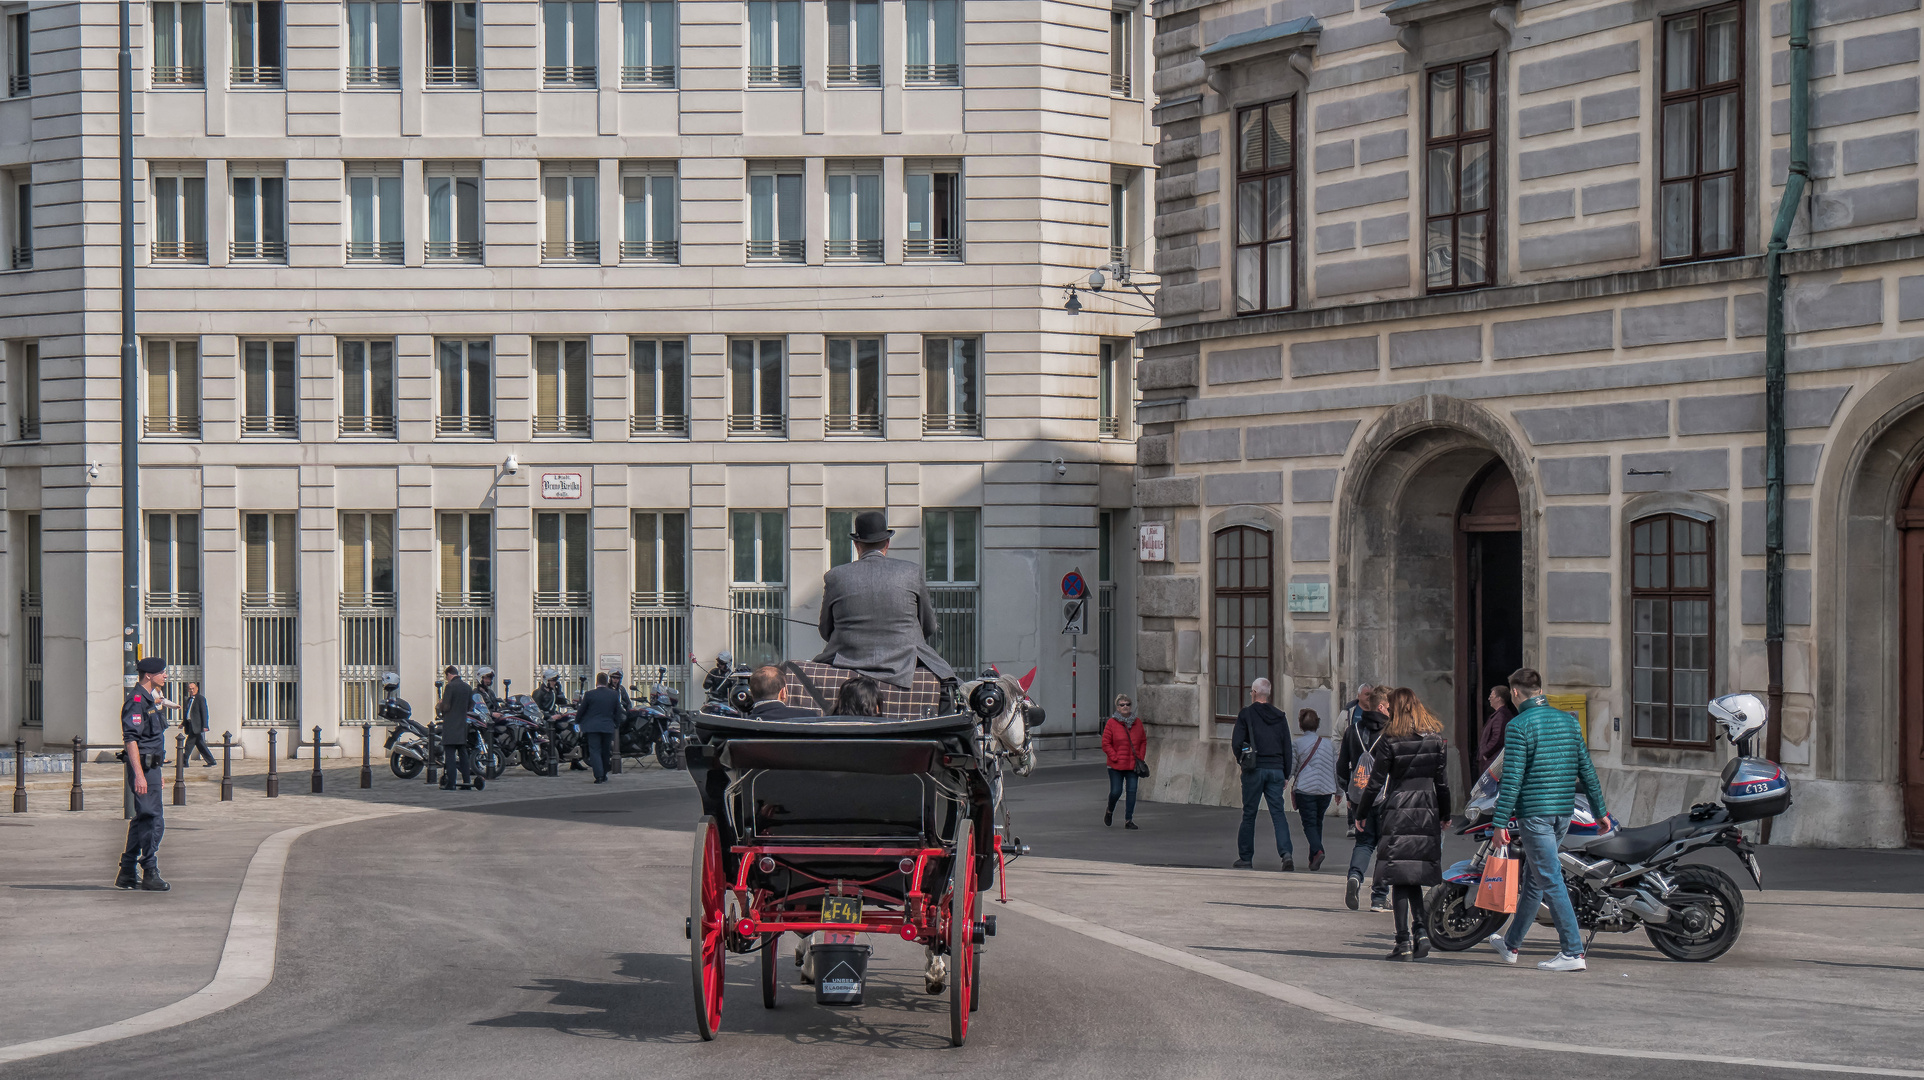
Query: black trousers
[[144, 831], [1407, 900], [601, 747], [197, 743], [453, 758]]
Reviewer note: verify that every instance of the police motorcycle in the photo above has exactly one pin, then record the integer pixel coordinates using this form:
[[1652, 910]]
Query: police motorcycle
[[407, 738], [528, 734], [1620, 879], [485, 756], [654, 728]]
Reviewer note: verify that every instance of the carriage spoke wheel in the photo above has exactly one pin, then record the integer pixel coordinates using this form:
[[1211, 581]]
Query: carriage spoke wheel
[[962, 917], [708, 931], [771, 952]]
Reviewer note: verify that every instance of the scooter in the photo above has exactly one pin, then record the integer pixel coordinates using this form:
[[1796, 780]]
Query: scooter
[[407, 739]]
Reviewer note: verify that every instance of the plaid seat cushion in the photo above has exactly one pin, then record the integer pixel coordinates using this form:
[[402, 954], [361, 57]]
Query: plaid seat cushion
[[923, 696]]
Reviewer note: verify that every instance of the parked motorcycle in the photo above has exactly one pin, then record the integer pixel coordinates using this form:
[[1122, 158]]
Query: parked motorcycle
[[407, 738], [528, 734], [487, 759], [566, 734], [1620, 879], [661, 727]]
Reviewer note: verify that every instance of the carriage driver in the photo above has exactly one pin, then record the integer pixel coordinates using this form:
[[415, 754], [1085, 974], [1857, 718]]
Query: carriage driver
[[876, 613]]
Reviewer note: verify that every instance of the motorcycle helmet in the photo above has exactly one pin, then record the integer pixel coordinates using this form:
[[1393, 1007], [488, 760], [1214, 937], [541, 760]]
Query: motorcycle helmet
[[390, 681], [483, 672], [1740, 715], [664, 696]]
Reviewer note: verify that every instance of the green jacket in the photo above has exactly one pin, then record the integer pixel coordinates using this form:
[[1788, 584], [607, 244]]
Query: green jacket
[[1544, 758]]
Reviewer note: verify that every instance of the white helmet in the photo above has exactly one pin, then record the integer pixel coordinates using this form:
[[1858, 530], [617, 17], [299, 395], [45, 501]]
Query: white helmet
[[483, 671], [1740, 715]]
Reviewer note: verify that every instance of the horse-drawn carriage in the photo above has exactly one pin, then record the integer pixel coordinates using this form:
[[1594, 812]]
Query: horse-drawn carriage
[[836, 826]]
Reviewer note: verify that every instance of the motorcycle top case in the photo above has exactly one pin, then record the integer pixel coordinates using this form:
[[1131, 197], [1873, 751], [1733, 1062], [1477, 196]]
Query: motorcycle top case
[[1755, 788]]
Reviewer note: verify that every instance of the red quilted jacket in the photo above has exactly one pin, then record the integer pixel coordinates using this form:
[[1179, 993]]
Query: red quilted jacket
[[1124, 745]]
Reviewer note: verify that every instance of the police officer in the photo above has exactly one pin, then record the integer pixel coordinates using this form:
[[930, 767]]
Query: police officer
[[144, 730], [548, 695]]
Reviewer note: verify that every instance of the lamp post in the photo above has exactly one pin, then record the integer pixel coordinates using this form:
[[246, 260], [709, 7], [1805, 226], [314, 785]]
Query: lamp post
[[129, 364]]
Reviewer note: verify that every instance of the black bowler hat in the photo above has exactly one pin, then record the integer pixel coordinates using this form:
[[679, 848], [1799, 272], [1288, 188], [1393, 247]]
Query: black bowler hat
[[151, 665], [871, 527]]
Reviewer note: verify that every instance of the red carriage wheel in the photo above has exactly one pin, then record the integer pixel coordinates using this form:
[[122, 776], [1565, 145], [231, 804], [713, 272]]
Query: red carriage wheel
[[708, 937], [771, 954], [961, 932]]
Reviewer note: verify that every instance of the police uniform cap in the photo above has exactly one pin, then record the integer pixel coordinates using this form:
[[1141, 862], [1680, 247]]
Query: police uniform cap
[[152, 665]]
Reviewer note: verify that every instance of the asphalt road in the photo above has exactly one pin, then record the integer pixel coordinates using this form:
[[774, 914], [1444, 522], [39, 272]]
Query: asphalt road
[[545, 939]]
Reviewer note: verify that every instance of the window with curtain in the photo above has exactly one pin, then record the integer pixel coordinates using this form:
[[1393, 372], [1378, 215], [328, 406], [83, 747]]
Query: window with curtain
[[374, 211], [1114, 358], [950, 562], [467, 559], [179, 46], [1673, 621], [841, 542], [568, 31], [23, 389], [562, 554], [19, 54], [855, 211], [951, 373], [854, 42], [173, 388], [561, 388], [254, 30], [1266, 208], [661, 559], [571, 229], [931, 34], [648, 43], [451, 41], [1242, 604], [1460, 146], [933, 229], [466, 372], [20, 249], [373, 42], [774, 43], [650, 211], [1122, 69], [454, 210], [757, 401], [259, 211], [269, 386], [775, 213], [180, 211], [855, 386], [272, 557], [660, 367], [367, 387], [1699, 198], [367, 559], [173, 560]]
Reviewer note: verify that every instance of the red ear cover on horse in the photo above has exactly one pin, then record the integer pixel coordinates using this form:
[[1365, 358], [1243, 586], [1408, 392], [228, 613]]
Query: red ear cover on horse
[[1025, 680]]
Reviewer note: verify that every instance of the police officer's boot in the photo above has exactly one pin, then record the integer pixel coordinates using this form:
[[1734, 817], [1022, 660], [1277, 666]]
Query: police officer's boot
[[151, 881], [127, 879]]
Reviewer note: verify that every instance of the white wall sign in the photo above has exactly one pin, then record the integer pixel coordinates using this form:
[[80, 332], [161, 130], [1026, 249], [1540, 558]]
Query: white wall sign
[[1309, 596], [1154, 543], [561, 485]]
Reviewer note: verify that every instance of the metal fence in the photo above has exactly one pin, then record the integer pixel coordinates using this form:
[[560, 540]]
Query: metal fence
[[34, 656], [367, 650], [561, 640], [757, 625], [464, 628], [660, 623], [955, 621], [173, 632], [270, 660], [1106, 646]]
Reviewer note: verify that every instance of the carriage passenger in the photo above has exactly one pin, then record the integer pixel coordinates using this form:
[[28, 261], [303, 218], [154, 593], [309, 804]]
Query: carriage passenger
[[769, 688]]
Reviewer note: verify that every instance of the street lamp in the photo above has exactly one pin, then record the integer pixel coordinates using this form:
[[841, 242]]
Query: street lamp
[[1073, 305]]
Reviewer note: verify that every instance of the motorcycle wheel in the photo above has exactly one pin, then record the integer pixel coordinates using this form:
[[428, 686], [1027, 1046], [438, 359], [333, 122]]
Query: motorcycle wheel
[[669, 757], [532, 763], [1455, 922], [1713, 907], [491, 764], [403, 766]]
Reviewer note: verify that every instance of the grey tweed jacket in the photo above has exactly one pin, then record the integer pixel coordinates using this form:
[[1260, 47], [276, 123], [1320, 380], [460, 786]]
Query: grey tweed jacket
[[877, 618]]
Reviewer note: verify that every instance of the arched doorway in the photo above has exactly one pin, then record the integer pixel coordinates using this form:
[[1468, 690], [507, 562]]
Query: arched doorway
[[1489, 598], [1910, 524]]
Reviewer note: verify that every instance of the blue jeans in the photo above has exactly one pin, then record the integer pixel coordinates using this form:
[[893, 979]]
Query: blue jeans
[[1543, 882], [1258, 786], [1312, 808], [1369, 829], [1118, 778]]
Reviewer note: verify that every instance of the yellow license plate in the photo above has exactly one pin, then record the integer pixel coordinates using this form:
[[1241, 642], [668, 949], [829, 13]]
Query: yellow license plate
[[841, 909]]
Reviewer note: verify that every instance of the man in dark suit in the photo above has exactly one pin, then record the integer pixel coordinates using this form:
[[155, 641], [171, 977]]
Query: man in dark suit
[[600, 720], [769, 687], [457, 697], [193, 721], [876, 613]]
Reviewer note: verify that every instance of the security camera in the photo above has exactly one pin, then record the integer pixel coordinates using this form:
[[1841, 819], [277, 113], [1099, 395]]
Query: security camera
[[514, 465], [1061, 469], [93, 470]]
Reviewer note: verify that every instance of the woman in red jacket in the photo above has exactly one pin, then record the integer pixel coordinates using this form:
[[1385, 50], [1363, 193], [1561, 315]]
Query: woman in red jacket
[[1124, 744]]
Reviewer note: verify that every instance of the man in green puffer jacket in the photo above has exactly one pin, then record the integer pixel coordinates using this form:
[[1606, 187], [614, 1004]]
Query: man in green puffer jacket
[[1544, 758]]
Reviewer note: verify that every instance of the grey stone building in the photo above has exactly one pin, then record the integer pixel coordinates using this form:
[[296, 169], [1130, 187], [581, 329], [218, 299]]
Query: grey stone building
[[1460, 367]]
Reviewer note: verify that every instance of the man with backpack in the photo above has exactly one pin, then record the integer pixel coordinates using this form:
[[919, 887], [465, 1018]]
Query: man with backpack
[[1353, 769], [1262, 746]]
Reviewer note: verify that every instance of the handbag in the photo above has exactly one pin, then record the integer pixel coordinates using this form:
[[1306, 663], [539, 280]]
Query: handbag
[[1142, 767], [1497, 890]]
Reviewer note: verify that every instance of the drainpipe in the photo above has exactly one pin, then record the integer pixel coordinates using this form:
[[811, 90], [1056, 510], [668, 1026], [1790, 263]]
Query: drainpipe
[[129, 365], [1774, 377]]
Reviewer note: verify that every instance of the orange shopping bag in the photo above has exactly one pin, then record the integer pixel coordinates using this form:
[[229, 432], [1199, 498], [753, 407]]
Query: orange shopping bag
[[1497, 891]]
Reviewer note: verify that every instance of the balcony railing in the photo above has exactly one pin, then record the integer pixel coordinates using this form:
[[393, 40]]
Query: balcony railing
[[454, 250], [567, 75], [257, 75], [1108, 427], [373, 75], [453, 75], [476, 427], [20, 256], [946, 247], [1121, 85], [774, 74], [758, 624], [372, 427], [19, 85], [660, 625], [180, 251], [775, 250], [560, 427], [271, 427], [33, 659], [854, 423], [174, 75], [955, 625], [587, 251], [854, 250], [271, 250], [29, 428], [658, 424], [650, 250], [464, 624], [642, 76], [757, 424], [932, 74], [855, 74], [951, 424], [179, 427], [384, 251]]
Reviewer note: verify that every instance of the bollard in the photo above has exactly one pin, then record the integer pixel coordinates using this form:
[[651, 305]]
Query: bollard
[[434, 757], [180, 770], [317, 759], [226, 766], [367, 770], [19, 776], [273, 763], [77, 800], [614, 754]]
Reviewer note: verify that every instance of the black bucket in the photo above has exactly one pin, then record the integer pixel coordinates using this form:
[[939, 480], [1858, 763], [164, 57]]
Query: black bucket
[[840, 970]]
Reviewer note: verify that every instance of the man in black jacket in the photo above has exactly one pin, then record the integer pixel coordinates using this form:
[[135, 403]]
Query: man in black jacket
[[193, 721], [1262, 746], [1359, 744], [769, 688], [600, 721], [457, 697]]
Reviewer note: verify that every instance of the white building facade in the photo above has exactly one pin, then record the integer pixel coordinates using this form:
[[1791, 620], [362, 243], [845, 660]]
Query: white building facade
[[560, 334]]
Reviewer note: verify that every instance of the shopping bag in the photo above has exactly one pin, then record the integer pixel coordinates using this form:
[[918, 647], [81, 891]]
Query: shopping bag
[[1497, 891]]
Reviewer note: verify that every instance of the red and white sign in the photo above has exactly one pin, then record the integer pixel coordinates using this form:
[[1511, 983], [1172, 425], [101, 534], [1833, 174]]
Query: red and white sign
[[561, 485], [1153, 546]]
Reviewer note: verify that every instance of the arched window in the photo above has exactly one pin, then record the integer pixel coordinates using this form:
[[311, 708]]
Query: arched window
[[1673, 630], [1243, 602]]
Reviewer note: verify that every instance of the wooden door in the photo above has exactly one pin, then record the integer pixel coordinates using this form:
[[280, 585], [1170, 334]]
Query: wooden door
[[1910, 522]]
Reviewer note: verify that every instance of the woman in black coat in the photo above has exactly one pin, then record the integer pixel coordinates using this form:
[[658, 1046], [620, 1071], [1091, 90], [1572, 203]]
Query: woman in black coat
[[1407, 783]]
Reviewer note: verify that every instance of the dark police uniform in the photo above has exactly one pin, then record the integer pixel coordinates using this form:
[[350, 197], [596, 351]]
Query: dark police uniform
[[142, 724]]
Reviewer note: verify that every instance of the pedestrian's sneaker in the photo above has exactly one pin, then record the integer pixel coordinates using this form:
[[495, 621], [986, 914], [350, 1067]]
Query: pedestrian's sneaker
[[1130, 825], [1109, 818], [1352, 891], [1503, 950], [1242, 864], [1289, 865], [1563, 962], [1379, 905], [1315, 861]]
